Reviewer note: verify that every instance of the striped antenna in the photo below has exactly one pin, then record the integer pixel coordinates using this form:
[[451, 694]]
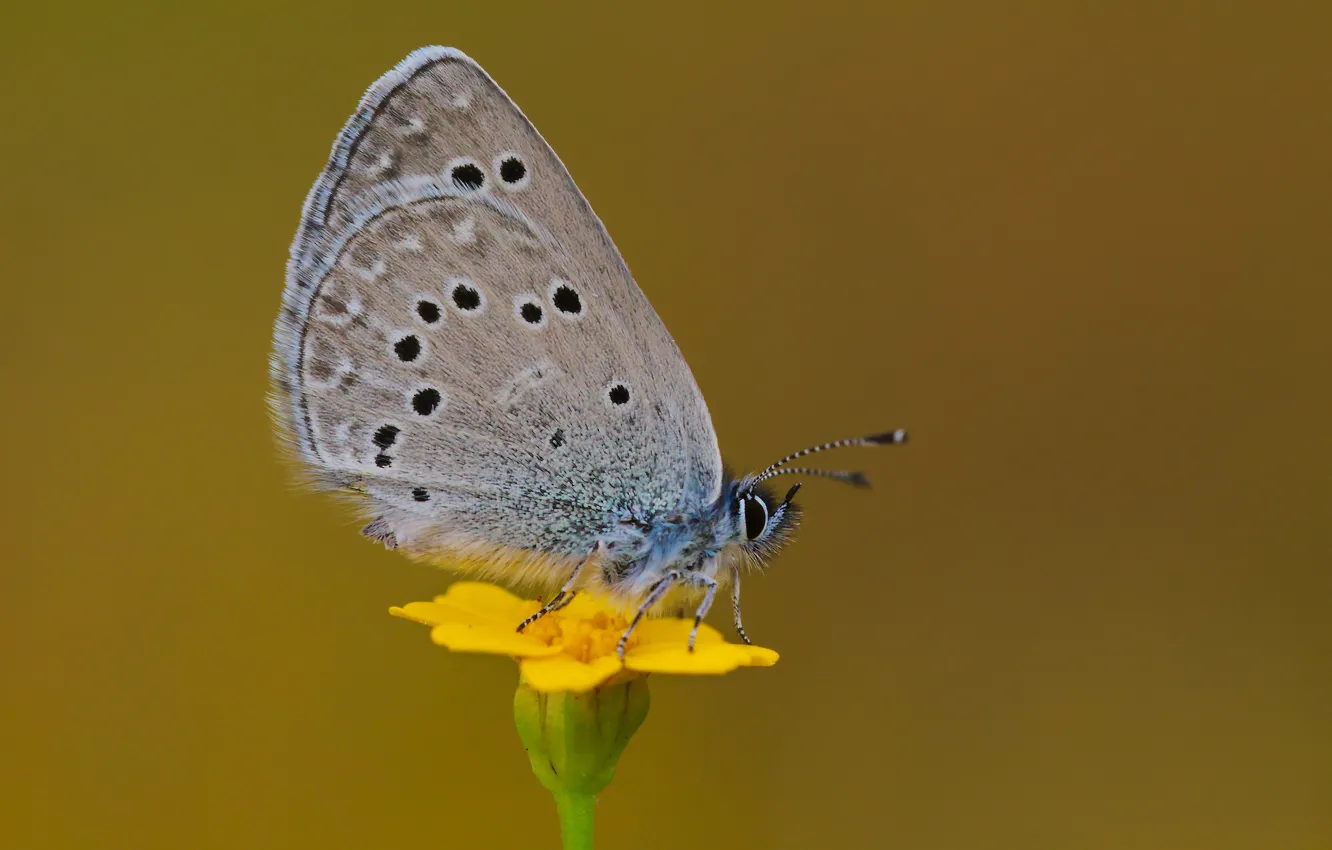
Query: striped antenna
[[856, 478], [886, 438]]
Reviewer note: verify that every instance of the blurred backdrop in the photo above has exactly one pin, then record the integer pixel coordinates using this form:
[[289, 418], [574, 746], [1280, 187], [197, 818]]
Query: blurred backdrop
[[1081, 250]]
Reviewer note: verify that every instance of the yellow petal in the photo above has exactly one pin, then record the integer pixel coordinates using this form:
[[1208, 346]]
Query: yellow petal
[[469, 637], [674, 631], [760, 656], [713, 658], [443, 611], [585, 606], [562, 673], [486, 601], [426, 613]]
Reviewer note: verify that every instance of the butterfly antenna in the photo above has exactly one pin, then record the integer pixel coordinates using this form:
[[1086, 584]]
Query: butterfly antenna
[[856, 478], [886, 438]]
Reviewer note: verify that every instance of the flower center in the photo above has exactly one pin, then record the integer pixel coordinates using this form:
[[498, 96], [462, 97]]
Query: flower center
[[584, 638]]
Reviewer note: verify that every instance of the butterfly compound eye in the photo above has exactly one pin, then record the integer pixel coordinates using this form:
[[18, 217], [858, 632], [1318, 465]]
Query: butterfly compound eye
[[754, 515]]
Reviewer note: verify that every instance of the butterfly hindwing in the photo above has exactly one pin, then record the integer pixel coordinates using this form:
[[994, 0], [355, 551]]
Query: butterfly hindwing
[[461, 340]]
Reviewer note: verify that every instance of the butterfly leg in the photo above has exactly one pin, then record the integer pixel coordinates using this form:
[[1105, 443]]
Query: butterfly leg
[[735, 604], [708, 595], [654, 595], [566, 594], [560, 604]]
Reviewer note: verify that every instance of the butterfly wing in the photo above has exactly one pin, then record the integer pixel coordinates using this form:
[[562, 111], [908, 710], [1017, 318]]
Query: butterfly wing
[[460, 339]]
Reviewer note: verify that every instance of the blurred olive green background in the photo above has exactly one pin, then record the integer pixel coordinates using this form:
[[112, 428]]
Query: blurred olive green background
[[1082, 250]]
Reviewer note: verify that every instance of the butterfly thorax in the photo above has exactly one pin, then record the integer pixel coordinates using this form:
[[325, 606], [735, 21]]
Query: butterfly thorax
[[710, 539], [637, 553]]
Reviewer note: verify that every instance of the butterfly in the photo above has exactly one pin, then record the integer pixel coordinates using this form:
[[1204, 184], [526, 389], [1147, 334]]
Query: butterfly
[[461, 345]]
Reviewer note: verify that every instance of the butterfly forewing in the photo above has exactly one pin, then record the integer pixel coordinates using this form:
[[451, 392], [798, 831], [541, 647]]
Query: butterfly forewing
[[461, 340]]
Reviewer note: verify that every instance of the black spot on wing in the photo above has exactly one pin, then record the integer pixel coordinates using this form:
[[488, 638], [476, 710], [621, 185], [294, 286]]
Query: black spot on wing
[[425, 401], [567, 301], [468, 176], [428, 311], [408, 348], [466, 297], [385, 436], [512, 170]]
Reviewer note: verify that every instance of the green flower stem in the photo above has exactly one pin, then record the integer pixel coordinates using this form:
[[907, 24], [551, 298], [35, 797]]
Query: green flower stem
[[576, 818], [574, 741]]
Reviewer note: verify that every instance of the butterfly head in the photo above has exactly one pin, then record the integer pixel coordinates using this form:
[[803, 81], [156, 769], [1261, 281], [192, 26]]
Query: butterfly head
[[761, 522]]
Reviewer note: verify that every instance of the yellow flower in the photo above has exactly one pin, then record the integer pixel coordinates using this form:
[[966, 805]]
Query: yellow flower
[[573, 649]]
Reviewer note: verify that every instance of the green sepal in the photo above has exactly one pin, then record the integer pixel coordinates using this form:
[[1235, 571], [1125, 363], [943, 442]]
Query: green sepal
[[574, 740]]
